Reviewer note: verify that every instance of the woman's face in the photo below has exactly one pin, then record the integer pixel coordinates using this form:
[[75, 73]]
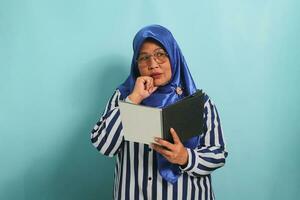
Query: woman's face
[[153, 61]]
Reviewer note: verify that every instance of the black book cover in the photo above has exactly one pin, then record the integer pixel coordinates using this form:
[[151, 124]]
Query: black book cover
[[185, 116]]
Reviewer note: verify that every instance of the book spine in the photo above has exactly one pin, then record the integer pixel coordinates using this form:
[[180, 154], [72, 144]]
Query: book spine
[[162, 123], [165, 130]]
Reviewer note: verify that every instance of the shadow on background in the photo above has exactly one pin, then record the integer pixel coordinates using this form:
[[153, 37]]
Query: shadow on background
[[78, 171]]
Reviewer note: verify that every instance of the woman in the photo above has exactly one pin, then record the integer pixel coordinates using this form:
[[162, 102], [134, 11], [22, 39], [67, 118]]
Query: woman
[[159, 77]]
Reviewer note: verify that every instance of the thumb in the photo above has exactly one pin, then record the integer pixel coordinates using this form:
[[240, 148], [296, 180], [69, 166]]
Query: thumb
[[153, 89]]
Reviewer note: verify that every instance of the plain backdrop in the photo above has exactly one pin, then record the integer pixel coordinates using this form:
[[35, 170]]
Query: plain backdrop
[[60, 61]]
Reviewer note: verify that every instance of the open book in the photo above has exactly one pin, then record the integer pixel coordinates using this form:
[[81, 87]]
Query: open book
[[143, 123]]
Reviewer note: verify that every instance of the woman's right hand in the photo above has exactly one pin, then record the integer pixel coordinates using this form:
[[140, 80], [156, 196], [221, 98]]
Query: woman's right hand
[[143, 88]]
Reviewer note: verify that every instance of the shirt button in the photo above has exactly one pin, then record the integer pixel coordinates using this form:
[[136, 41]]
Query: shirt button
[[149, 178]]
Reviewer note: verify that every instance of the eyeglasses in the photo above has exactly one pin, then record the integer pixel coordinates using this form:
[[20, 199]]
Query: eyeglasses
[[160, 56]]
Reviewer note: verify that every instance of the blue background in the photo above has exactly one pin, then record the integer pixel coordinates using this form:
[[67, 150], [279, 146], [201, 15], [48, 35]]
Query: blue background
[[60, 61]]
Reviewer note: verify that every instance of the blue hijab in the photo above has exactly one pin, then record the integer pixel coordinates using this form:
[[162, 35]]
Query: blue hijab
[[164, 95]]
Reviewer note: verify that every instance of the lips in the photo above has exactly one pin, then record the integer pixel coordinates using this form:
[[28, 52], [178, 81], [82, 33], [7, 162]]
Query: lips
[[156, 75]]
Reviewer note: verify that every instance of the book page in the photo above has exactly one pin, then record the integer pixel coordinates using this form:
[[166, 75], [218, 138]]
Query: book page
[[140, 123]]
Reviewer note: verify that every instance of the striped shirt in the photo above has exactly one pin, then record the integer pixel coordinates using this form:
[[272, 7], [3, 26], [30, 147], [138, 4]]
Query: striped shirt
[[136, 175]]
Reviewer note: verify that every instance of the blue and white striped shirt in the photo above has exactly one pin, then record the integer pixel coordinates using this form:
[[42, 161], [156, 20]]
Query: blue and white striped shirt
[[136, 175]]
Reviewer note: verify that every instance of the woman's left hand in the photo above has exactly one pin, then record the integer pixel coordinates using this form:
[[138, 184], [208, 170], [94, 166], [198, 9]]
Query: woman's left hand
[[175, 153]]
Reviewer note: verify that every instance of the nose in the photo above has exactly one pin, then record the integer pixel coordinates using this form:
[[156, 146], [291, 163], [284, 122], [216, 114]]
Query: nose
[[152, 63]]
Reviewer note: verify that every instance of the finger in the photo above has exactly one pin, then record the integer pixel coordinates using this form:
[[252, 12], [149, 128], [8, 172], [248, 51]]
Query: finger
[[175, 136], [161, 150], [146, 84], [150, 88], [150, 79], [165, 144], [143, 81]]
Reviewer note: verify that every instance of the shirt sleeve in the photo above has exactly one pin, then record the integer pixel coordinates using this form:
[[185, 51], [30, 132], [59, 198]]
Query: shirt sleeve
[[211, 152], [107, 134]]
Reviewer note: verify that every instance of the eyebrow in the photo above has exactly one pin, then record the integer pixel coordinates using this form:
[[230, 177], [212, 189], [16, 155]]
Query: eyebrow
[[154, 50]]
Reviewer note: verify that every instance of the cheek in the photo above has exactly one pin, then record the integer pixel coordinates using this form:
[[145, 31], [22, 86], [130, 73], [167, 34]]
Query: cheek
[[168, 73], [143, 72]]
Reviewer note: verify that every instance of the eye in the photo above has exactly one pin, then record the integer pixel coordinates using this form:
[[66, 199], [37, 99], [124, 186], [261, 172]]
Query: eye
[[160, 54], [143, 58]]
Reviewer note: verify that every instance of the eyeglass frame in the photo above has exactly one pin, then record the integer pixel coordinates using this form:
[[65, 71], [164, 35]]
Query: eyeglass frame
[[154, 57]]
